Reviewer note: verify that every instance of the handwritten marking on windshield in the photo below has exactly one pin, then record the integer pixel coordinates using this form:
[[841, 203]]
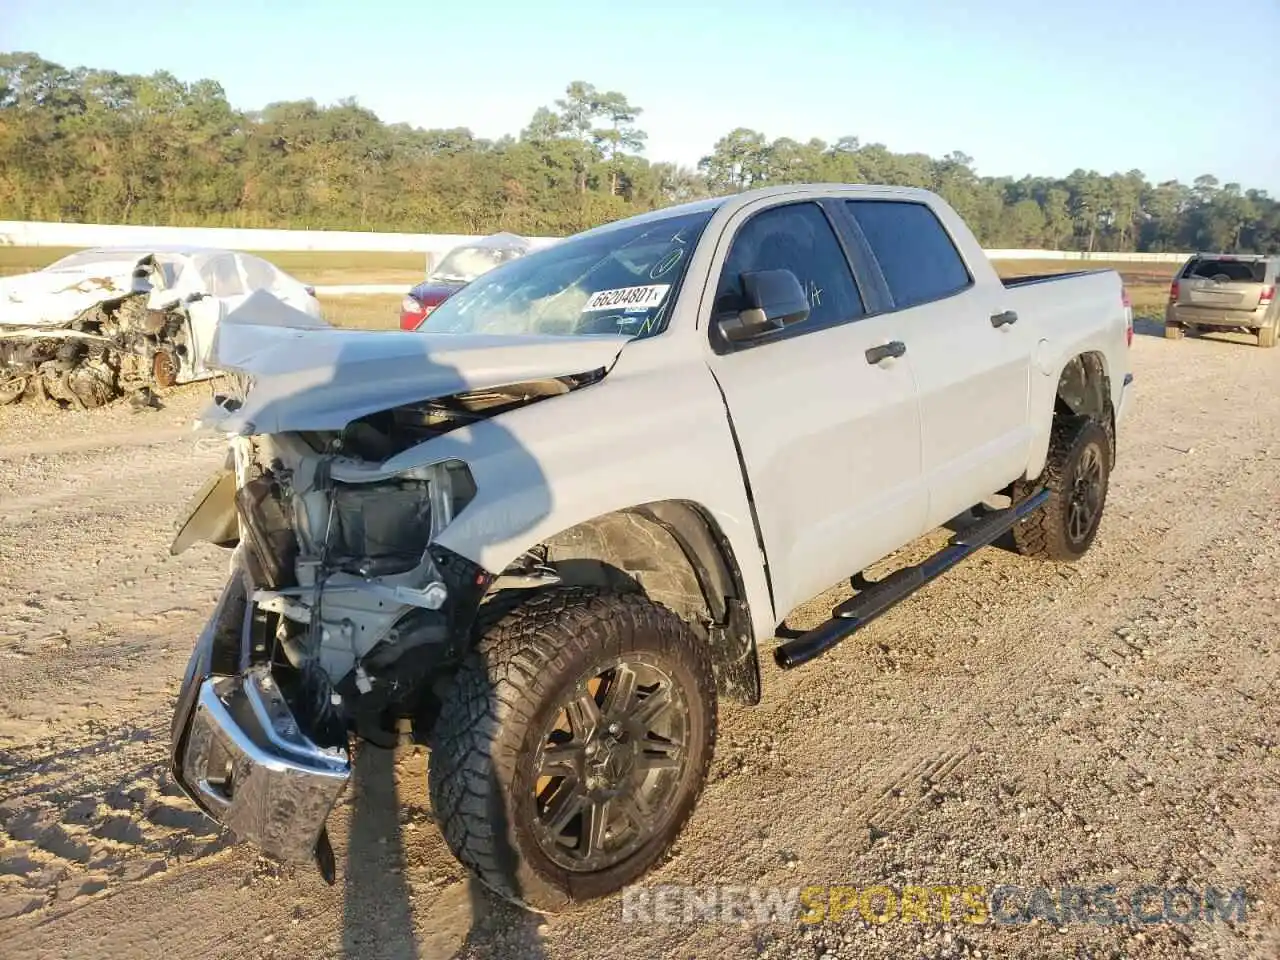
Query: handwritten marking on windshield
[[666, 264]]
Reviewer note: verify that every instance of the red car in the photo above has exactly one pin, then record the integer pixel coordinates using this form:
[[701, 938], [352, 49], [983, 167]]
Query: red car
[[459, 267]]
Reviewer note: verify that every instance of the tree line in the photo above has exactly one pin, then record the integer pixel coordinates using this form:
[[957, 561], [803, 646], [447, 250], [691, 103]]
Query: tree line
[[98, 146]]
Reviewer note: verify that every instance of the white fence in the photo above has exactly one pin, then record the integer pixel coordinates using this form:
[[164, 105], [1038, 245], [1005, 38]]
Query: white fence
[[18, 233], [33, 234]]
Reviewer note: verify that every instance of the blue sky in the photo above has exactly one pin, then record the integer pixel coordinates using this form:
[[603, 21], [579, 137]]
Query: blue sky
[[1023, 87]]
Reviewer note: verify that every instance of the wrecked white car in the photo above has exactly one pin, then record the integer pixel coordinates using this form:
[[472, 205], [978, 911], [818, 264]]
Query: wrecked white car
[[108, 321]]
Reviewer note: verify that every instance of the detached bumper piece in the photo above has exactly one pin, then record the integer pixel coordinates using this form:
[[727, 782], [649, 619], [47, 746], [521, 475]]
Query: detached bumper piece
[[249, 765]]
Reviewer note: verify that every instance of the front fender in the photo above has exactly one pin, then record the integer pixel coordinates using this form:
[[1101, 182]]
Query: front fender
[[646, 433]]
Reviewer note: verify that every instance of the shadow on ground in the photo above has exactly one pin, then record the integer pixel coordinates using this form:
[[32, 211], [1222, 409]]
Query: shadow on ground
[[384, 918]]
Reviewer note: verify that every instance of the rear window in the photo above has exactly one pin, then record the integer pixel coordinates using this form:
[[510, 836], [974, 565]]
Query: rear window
[[1234, 271], [915, 252]]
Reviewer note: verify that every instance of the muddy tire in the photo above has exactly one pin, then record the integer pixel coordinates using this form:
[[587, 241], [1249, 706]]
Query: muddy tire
[[1076, 474], [572, 745], [1174, 331], [1267, 335]]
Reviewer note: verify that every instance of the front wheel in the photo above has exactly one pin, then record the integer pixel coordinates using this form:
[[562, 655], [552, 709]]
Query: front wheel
[[572, 745], [1076, 475]]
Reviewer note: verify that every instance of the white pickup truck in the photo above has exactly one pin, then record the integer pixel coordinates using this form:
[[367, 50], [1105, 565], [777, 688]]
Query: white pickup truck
[[545, 533]]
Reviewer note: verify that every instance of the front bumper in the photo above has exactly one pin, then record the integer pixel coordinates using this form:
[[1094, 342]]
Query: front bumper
[[239, 752]]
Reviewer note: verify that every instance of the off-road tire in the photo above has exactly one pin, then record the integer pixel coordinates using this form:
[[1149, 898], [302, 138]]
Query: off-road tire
[[482, 771], [1267, 336], [1174, 331], [1044, 534]]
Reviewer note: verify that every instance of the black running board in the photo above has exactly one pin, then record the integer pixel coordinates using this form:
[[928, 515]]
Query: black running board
[[856, 612]]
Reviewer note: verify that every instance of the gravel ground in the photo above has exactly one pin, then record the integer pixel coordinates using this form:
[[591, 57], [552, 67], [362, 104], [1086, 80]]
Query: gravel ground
[[1113, 722]]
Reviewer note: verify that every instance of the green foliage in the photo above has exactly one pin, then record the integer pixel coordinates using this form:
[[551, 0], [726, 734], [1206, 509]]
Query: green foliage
[[99, 146]]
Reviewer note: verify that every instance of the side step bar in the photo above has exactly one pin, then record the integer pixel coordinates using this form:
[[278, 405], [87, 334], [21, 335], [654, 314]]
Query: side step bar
[[856, 612]]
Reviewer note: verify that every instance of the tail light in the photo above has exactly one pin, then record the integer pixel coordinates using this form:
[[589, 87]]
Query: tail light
[[1128, 315], [1265, 298], [412, 313], [1173, 292]]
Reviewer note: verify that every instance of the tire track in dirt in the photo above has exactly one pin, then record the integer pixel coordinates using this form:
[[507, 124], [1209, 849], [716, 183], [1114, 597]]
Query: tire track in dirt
[[91, 814], [55, 445]]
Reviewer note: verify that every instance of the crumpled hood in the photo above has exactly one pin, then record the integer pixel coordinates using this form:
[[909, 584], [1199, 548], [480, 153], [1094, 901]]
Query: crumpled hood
[[309, 376], [53, 298]]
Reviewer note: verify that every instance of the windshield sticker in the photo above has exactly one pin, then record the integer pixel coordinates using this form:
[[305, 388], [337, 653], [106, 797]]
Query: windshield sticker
[[630, 298]]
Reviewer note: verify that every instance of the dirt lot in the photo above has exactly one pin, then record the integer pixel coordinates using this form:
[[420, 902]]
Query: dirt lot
[[1116, 722]]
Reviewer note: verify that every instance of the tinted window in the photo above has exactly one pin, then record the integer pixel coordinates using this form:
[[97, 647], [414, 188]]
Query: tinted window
[[915, 253], [1236, 271], [798, 238]]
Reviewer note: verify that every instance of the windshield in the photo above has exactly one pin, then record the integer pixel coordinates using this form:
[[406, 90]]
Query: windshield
[[464, 264], [623, 280]]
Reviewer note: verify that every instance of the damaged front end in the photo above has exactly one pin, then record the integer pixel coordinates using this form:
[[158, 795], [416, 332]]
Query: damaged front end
[[119, 343], [341, 611]]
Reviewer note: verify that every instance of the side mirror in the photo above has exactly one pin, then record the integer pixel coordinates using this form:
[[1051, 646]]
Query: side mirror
[[775, 300]]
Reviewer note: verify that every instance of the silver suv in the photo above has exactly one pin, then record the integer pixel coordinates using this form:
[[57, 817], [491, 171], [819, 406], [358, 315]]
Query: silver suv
[[1225, 292]]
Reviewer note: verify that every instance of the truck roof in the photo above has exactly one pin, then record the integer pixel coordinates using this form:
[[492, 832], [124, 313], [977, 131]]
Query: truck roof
[[762, 193]]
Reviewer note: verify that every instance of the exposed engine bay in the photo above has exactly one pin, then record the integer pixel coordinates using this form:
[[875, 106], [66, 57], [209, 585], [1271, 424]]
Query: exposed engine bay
[[113, 348], [339, 550]]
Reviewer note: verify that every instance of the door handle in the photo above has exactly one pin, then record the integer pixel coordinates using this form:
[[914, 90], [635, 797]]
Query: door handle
[[894, 348], [1000, 319]]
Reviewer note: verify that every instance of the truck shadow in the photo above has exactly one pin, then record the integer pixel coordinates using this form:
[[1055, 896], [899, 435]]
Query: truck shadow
[[378, 901], [1149, 326], [377, 914]]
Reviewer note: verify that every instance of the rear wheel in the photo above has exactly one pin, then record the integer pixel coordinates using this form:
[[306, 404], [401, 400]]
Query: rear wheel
[[572, 745], [1267, 335], [1076, 474], [1173, 331]]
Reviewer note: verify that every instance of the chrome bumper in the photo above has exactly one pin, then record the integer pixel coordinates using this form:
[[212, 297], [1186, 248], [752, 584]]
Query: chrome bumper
[[240, 754]]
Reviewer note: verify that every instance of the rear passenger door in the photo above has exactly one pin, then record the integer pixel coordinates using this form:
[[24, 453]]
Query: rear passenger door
[[971, 358], [830, 439]]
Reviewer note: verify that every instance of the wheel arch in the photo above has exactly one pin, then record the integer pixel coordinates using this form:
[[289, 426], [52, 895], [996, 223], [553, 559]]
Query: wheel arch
[[1082, 388], [675, 553]]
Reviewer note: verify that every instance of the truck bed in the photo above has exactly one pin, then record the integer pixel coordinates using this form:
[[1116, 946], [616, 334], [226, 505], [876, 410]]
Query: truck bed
[[1011, 282]]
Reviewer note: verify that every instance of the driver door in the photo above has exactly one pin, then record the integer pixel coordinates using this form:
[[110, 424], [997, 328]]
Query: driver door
[[830, 440]]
